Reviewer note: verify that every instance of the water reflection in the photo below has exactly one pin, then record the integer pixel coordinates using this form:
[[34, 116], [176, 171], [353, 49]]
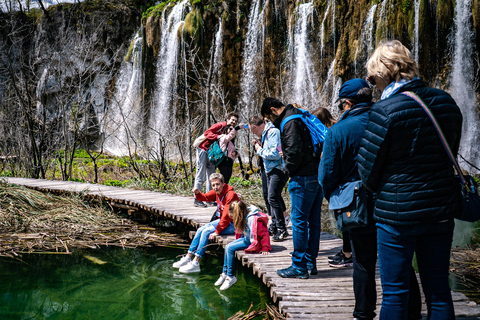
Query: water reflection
[[130, 284]]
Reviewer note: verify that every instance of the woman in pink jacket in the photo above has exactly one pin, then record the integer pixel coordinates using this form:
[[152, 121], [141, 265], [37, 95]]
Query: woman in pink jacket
[[252, 235], [227, 142]]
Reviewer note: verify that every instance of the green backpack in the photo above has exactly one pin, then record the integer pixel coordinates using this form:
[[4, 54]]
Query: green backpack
[[215, 153]]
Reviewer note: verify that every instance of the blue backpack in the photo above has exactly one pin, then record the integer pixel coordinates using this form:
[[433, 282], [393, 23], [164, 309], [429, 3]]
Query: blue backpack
[[318, 130], [215, 153]]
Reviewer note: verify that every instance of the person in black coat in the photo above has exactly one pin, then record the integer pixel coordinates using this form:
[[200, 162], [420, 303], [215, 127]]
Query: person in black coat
[[301, 165], [402, 159]]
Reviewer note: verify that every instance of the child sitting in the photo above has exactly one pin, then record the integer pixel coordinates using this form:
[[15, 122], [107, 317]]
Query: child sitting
[[251, 234]]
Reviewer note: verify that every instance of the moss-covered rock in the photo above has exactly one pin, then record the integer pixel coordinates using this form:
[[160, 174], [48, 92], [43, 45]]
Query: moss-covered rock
[[193, 26], [445, 13]]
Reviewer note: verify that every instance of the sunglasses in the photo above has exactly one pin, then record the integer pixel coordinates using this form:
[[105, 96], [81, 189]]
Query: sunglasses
[[371, 79]]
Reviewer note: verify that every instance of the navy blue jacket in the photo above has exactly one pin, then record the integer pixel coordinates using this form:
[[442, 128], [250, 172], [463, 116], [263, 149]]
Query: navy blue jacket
[[338, 164], [402, 159], [297, 145]]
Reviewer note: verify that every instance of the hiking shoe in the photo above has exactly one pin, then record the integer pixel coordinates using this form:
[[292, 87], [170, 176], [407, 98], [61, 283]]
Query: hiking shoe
[[229, 281], [182, 262], [198, 203], [336, 256], [280, 235], [220, 280], [272, 230], [312, 270], [292, 272], [341, 262], [191, 267]]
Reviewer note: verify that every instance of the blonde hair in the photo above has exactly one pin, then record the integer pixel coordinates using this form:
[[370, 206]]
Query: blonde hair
[[392, 61], [238, 212]]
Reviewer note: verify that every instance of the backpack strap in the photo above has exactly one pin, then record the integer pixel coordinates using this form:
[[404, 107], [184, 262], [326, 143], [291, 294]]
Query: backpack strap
[[285, 120]]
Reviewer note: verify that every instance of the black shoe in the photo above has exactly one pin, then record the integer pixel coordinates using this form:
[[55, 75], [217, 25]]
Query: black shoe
[[312, 269], [280, 235], [292, 272], [272, 230], [335, 257], [342, 262], [198, 203], [212, 204]]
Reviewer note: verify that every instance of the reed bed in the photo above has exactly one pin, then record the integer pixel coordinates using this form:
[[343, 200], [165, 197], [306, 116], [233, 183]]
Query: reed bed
[[36, 222]]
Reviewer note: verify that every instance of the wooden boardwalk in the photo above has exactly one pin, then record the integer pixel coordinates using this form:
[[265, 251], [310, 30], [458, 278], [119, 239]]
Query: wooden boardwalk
[[328, 295]]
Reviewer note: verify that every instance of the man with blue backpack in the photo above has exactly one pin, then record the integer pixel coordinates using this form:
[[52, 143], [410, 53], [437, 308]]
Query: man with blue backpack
[[299, 129]]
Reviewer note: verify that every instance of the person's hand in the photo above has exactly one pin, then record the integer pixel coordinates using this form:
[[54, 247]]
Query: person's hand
[[257, 146], [195, 191], [241, 126], [234, 153], [212, 236], [265, 253], [281, 153]]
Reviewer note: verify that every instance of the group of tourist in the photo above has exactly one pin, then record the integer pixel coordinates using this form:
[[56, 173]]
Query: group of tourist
[[392, 147]]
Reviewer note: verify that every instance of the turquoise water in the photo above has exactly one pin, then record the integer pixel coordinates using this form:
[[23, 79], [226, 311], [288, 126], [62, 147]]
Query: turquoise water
[[130, 284]]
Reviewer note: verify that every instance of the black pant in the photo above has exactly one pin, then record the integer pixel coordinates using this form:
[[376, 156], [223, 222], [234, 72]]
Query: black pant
[[364, 252], [276, 180], [265, 189], [346, 242], [226, 168]]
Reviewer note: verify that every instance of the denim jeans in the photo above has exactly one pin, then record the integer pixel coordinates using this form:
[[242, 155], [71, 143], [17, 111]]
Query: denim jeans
[[306, 197], [431, 242], [204, 169], [229, 258], [199, 242], [276, 180]]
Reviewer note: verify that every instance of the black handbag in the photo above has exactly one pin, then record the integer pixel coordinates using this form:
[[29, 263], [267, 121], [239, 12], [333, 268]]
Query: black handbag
[[468, 185], [349, 204]]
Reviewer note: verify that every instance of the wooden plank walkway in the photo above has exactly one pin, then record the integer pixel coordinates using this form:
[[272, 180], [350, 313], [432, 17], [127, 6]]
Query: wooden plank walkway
[[328, 295]]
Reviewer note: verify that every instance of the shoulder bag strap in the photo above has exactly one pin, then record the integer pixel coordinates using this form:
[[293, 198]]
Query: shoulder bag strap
[[440, 134]]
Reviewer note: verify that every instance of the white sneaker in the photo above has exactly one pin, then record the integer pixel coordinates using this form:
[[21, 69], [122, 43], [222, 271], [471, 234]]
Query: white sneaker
[[182, 262], [228, 282], [192, 266], [220, 280]]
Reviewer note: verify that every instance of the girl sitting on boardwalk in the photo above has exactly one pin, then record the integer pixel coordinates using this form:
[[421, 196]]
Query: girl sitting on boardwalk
[[251, 234]]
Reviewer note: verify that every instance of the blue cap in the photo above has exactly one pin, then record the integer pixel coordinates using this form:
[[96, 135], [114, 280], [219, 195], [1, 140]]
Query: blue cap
[[349, 89]]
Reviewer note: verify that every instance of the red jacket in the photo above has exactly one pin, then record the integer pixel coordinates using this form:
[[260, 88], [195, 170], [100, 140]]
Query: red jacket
[[259, 237], [211, 135], [224, 200]]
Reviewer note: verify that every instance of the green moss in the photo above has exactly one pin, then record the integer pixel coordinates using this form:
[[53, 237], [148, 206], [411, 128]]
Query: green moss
[[445, 13], [406, 5], [35, 15], [476, 14], [193, 24], [130, 51]]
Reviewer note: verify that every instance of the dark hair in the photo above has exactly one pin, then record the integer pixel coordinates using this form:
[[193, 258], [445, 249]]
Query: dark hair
[[364, 95], [270, 103], [255, 121], [232, 114], [226, 132], [238, 211], [324, 116]]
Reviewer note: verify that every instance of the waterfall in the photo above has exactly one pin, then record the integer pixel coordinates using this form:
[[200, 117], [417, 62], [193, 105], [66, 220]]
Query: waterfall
[[330, 91], [368, 30], [322, 29], [218, 54], [124, 117], [253, 60], [462, 84], [305, 79], [417, 28], [163, 115]]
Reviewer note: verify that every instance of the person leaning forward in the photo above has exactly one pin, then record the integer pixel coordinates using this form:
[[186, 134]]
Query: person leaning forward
[[301, 165], [204, 167]]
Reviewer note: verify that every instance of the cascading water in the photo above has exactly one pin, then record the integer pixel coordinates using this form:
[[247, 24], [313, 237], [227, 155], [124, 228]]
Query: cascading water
[[322, 29], [417, 32], [216, 85], [463, 92], [368, 29], [253, 60], [305, 79], [462, 80], [125, 114], [163, 113], [330, 91]]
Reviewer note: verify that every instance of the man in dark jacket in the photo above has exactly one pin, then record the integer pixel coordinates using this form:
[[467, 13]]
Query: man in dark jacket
[[402, 159], [301, 165]]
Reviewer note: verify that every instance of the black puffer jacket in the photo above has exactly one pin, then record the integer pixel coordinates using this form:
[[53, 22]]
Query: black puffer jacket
[[402, 159], [297, 145]]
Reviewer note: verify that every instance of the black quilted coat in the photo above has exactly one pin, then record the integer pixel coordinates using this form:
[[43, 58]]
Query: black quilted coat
[[402, 159]]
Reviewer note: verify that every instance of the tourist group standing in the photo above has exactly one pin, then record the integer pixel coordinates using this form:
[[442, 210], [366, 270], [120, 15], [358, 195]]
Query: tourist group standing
[[388, 151]]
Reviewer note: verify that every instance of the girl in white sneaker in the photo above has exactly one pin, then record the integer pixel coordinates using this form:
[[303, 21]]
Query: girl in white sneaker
[[252, 235]]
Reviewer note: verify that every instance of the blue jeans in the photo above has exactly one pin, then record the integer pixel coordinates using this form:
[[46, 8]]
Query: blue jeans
[[306, 197], [431, 243], [204, 169], [229, 258], [200, 241]]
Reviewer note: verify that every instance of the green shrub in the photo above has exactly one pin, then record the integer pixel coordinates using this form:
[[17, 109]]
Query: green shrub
[[6, 173], [113, 183]]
